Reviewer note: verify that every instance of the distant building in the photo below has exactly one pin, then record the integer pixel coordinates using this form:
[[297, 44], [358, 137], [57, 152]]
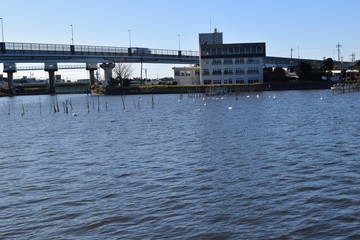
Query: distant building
[[82, 80], [25, 80], [187, 75], [229, 63]]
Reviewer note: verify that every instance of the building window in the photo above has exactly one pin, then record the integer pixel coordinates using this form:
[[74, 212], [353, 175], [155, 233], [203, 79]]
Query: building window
[[253, 61], [177, 73], [206, 72], [239, 61], [253, 80], [217, 71], [260, 50], [207, 81], [216, 62], [236, 50], [242, 50], [216, 81], [239, 71], [225, 81], [228, 61], [230, 81], [197, 72], [231, 51], [225, 51], [240, 80], [228, 71], [253, 70], [205, 52]]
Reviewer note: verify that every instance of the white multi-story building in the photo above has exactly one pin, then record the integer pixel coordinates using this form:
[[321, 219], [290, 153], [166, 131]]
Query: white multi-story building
[[187, 75], [229, 63]]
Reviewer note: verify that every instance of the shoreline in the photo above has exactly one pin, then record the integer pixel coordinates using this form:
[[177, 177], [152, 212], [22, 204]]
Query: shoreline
[[217, 89]]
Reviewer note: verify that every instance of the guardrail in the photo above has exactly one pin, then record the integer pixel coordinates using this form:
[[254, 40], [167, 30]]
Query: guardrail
[[61, 49]]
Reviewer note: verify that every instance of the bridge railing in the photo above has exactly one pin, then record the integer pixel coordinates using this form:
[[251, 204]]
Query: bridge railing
[[62, 49], [36, 48]]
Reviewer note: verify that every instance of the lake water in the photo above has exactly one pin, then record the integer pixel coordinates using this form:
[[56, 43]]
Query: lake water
[[268, 165]]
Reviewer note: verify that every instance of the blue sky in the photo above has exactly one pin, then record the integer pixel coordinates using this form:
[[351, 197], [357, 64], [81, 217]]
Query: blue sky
[[311, 28]]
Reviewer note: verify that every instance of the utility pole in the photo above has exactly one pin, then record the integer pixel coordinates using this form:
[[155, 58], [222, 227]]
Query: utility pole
[[72, 34], [338, 47], [352, 57], [2, 29], [291, 50], [179, 41]]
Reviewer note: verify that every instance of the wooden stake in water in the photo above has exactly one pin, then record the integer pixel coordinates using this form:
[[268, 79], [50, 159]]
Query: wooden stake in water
[[71, 106], [152, 101], [40, 104], [23, 109], [57, 105], [87, 104], [138, 103], [98, 103], [134, 103], [123, 101]]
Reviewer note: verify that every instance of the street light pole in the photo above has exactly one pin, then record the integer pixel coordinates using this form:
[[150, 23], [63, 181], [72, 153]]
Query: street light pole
[[72, 34], [2, 29], [129, 38]]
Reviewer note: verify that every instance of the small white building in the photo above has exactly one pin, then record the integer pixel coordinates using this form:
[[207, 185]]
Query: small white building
[[229, 63], [187, 75]]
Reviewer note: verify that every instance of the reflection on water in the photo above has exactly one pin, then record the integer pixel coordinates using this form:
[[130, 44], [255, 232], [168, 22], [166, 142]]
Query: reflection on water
[[270, 165]]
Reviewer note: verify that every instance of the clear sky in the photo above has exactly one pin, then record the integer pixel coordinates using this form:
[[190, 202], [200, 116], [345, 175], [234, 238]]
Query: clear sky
[[312, 28]]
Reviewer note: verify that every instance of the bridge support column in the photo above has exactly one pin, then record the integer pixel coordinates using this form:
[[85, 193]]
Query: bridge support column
[[51, 68], [10, 68], [91, 67], [108, 67]]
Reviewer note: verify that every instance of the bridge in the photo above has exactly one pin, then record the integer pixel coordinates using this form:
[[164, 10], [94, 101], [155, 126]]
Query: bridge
[[37, 52], [52, 54]]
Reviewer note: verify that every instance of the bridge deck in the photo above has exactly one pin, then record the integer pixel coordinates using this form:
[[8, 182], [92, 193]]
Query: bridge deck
[[37, 52]]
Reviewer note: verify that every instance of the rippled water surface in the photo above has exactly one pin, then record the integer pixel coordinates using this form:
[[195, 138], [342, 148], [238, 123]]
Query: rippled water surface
[[269, 165]]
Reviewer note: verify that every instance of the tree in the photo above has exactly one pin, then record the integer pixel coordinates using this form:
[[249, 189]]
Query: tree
[[328, 65], [122, 72], [306, 72]]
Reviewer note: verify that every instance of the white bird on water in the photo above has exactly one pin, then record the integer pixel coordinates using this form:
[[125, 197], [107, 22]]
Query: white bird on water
[[74, 114], [230, 108]]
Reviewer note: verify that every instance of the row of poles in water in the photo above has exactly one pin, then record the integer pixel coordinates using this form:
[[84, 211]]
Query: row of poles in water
[[67, 105]]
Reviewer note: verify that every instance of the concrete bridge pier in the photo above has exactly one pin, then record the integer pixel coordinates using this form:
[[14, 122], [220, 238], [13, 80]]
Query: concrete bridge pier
[[10, 69], [51, 68], [91, 67], [108, 68]]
